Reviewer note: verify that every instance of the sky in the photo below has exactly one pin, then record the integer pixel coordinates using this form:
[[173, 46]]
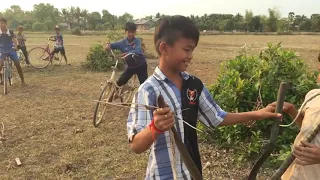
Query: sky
[[142, 8]]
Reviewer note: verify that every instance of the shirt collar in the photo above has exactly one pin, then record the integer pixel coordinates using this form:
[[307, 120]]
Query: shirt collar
[[8, 31], [161, 77], [127, 41]]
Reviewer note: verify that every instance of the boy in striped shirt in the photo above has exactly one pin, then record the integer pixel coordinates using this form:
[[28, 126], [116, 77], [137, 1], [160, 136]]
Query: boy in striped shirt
[[188, 100], [22, 43]]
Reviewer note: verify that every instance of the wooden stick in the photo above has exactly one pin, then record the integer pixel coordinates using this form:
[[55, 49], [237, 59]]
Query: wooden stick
[[274, 133], [186, 158]]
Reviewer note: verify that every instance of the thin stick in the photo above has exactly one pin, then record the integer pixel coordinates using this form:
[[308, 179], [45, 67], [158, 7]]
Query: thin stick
[[2, 131]]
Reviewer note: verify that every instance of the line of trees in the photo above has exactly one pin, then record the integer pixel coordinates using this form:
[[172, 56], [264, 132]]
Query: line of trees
[[45, 16]]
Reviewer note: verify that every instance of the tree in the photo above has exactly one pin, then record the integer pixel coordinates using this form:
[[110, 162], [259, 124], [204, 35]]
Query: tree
[[44, 12], [315, 22], [305, 25], [274, 15], [109, 18], [65, 15], [238, 21], [255, 24], [84, 17], [291, 17], [126, 17], [248, 17], [158, 15], [37, 26], [94, 18], [283, 24], [77, 15]]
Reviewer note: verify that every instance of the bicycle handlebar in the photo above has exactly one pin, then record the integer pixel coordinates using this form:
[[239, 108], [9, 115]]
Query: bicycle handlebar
[[123, 57]]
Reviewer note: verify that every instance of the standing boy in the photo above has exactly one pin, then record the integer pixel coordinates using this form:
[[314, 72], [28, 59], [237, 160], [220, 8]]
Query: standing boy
[[131, 44], [22, 43], [7, 43], [175, 39]]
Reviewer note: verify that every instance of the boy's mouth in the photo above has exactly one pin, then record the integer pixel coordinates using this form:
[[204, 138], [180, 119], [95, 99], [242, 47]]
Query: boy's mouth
[[186, 62]]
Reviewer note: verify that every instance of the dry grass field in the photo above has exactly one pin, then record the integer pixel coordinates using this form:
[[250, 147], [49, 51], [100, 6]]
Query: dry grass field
[[48, 123]]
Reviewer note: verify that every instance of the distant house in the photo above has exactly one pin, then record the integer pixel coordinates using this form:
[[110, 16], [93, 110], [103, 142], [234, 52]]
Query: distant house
[[64, 26], [145, 24]]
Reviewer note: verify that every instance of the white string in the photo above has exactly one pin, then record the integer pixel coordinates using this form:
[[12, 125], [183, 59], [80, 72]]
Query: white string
[[299, 111], [122, 105]]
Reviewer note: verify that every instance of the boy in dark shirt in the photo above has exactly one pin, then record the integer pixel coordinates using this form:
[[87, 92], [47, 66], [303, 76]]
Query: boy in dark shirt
[[131, 44]]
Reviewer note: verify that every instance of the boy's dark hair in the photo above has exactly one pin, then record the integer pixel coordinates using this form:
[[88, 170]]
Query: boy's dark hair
[[2, 19], [172, 28], [130, 26]]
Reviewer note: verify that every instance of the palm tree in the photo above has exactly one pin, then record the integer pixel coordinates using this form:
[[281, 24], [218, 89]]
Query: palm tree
[[84, 16]]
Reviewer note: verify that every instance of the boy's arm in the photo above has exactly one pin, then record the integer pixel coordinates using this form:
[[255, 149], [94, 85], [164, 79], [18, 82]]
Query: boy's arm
[[14, 40], [116, 45], [139, 134], [211, 114]]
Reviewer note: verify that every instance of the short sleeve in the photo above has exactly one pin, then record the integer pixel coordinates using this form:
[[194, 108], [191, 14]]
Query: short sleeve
[[209, 113], [139, 117]]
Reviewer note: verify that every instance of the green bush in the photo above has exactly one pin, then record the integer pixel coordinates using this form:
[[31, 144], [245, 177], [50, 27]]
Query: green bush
[[37, 26], [76, 31], [98, 59], [248, 79]]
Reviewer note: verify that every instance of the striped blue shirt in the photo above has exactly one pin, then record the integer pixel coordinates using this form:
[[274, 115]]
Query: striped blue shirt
[[159, 166]]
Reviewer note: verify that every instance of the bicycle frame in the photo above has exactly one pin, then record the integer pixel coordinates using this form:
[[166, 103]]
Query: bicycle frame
[[7, 70], [116, 65]]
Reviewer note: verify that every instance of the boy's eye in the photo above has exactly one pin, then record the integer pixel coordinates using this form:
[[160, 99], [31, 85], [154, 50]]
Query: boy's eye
[[187, 50]]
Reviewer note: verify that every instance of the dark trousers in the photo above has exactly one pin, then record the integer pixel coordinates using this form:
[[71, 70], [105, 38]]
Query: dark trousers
[[25, 52], [141, 71]]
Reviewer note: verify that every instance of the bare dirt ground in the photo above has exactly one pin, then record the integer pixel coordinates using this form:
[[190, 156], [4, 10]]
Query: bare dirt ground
[[48, 123]]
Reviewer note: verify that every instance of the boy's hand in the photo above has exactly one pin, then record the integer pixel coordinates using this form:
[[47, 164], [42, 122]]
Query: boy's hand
[[287, 108], [307, 154], [268, 112], [163, 119], [108, 47]]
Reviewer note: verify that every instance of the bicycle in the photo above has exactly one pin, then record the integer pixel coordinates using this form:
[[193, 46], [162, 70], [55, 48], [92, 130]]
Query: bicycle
[[40, 57], [111, 91], [7, 71]]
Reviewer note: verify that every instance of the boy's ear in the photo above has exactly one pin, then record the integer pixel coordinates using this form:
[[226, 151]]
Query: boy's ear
[[163, 48]]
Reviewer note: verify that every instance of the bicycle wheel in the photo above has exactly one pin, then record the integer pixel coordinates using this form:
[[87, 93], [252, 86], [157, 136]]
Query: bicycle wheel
[[128, 90], [101, 107], [5, 78], [39, 58]]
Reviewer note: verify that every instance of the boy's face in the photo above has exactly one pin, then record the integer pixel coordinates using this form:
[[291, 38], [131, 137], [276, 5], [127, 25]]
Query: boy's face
[[20, 31], [180, 54], [3, 25], [57, 31], [130, 34]]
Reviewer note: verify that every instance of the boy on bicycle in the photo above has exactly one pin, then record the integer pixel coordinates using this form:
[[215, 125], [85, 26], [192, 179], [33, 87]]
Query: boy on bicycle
[[22, 43], [136, 65], [59, 46], [187, 98], [7, 43]]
